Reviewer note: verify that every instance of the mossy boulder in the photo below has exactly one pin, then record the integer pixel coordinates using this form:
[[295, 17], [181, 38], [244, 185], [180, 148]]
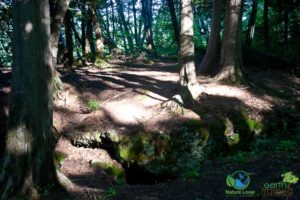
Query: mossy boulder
[[113, 169], [85, 139], [162, 154]]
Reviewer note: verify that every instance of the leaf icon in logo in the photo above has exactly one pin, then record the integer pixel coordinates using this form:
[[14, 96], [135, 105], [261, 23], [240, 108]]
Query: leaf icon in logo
[[230, 181]]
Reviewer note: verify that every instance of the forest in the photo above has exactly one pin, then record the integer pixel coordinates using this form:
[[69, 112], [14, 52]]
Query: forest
[[149, 99]]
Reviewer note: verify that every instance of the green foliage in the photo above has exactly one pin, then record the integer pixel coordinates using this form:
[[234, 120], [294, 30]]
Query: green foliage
[[109, 193], [286, 145], [190, 174], [243, 156], [93, 105], [289, 178]]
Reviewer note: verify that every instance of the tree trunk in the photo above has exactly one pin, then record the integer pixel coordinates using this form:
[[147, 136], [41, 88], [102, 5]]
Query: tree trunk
[[147, 16], [266, 23], [286, 24], [58, 12], [69, 40], [251, 24], [187, 76], [83, 29], [99, 39], [135, 24], [231, 58], [125, 24], [174, 20], [89, 44], [208, 60], [113, 19], [28, 160]]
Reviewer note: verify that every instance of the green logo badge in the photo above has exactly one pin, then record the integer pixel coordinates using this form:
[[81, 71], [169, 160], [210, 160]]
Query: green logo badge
[[239, 180]]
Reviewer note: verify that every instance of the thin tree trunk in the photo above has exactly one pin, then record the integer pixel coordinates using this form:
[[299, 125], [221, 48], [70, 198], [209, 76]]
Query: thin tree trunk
[[231, 58], [187, 76], [251, 24], [266, 23], [125, 24], [113, 19], [59, 10], [147, 16], [107, 18], [286, 24], [28, 160], [135, 23], [69, 40], [174, 20], [208, 60], [83, 29]]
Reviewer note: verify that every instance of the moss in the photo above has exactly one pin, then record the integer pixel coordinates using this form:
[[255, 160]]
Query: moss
[[112, 169], [59, 158], [254, 125]]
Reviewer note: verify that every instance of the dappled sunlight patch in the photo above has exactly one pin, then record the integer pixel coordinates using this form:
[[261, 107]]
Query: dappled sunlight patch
[[260, 103]]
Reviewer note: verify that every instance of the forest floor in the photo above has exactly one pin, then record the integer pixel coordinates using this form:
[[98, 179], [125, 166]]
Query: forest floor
[[131, 97]]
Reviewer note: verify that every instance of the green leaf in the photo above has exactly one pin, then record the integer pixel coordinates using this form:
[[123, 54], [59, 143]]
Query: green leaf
[[230, 181]]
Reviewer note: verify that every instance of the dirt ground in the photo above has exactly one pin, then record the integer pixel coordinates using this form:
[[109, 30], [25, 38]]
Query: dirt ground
[[132, 97]]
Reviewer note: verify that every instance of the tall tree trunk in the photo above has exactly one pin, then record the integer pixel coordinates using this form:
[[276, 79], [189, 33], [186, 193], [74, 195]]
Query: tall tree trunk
[[251, 24], [113, 19], [106, 17], [208, 60], [187, 76], [58, 12], [266, 23], [174, 20], [89, 44], [231, 58], [286, 24], [69, 40], [28, 160], [83, 29], [147, 16], [99, 38], [125, 24], [135, 24]]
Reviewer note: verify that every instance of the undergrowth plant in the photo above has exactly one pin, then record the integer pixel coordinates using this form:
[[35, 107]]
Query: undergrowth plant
[[93, 105]]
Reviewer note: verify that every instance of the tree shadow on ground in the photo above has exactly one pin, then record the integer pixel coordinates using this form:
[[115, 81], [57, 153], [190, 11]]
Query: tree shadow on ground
[[98, 82]]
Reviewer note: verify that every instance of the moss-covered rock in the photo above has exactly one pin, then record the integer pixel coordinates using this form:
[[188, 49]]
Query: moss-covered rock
[[166, 153], [59, 158], [85, 139], [113, 169]]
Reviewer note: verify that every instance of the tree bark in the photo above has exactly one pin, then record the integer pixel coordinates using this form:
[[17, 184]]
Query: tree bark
[[231, 57], [135, 23], [99, 38], [113, 19], [147, 16], [83, 29], [174, 21], [266, 23], [89, 43], [125, 24], [28, 160], [286, 24], [69, 40], [59, 9], [187, 76], [208, 60], [251, 24]]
